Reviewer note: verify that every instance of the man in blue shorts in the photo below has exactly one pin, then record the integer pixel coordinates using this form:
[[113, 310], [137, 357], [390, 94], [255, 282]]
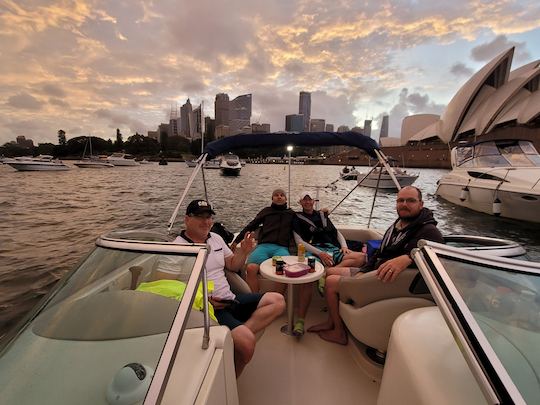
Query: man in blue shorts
[[274, 238], [244, 314]]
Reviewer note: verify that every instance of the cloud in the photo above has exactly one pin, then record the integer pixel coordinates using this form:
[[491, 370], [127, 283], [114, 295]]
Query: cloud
[[24, 101], [459, 69], [487, 51], [53, 90], [118, 120], [409, 104], [58, 102]]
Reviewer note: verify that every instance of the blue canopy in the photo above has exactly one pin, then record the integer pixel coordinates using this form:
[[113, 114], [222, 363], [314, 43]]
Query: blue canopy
[[354, 139]]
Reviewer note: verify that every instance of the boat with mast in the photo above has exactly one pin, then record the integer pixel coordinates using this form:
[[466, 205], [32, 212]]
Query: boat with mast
[[91, 162]]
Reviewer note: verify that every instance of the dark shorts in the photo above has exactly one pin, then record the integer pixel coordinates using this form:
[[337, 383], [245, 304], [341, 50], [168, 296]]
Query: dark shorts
[[236, 314]]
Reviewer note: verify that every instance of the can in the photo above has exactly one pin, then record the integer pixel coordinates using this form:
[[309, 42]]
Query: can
[[280, 267], [311, 264], [275, 259]]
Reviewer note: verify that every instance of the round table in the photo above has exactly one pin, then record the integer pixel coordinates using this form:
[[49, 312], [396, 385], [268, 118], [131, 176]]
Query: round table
[[269, 271]]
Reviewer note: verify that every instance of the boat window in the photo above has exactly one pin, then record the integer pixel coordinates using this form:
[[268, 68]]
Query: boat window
[[116, 308], [497, 306], [464, 155]]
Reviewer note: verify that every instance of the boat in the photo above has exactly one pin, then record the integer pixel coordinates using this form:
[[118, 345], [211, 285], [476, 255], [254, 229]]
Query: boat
[[210, 164], [230, 165], [91, 162], [122, 159], [104, 339], [348, 174], [496, 177], [163, 162], [144, 162], [379, 178], [38, 163]]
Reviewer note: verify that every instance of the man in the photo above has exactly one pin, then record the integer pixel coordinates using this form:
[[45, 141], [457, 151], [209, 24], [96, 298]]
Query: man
[[321, 239], [414, 223], [274, 237], [244, 314]]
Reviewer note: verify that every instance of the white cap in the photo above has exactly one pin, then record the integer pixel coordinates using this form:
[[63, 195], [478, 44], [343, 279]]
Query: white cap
[[306, 193]]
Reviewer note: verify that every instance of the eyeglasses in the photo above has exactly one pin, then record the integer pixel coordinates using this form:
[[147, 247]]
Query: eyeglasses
[[407, 200]]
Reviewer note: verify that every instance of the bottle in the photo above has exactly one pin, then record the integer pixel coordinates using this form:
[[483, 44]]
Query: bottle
[[301, 252]]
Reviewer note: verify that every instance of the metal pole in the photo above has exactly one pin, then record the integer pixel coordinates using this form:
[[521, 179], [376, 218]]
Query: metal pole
[[289, 191]]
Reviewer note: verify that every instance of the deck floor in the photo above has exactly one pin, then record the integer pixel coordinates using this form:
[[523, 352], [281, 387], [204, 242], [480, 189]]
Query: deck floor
[[288, 370]]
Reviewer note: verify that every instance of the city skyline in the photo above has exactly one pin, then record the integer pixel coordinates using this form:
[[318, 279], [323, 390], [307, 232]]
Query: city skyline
[[91, 66]]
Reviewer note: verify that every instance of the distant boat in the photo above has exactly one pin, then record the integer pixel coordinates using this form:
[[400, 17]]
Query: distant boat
[[38, 163], [211, 164], [122, 159], [163, 162], [349, 174], [230, 165], [385, 182], [145, 162], [91, 162]]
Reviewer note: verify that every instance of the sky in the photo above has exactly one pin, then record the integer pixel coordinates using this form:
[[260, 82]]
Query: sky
[[91, 66]]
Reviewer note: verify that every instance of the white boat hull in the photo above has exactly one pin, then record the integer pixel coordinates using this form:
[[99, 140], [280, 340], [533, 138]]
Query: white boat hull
[[386, 181], [93, 165], [37, 166], [480, 196]]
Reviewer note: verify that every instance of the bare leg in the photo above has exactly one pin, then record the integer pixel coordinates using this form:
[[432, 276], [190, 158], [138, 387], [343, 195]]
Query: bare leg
[[252, 270], [336, 334], [305, 292], [270, 307], [244, 347], [354, 259]]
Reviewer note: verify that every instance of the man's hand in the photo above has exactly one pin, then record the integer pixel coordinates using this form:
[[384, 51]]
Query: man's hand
[[345, 250], [389, 270], [326, 259], [248, 243], [216, 303], [233, 246]]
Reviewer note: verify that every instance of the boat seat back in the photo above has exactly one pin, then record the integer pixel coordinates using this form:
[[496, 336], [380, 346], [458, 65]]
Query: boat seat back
[[369, 307]]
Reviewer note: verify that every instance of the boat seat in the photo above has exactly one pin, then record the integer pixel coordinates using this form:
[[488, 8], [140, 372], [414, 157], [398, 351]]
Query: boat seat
[[369, 307]]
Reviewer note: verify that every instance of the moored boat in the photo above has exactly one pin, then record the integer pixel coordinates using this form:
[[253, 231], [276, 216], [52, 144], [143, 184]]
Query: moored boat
[[380, 178], [91, 162], [500, 178], [122, 159], [230, 165], [38, 163]]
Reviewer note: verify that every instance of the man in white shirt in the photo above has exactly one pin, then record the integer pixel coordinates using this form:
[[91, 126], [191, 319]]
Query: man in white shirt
[[244, 314]]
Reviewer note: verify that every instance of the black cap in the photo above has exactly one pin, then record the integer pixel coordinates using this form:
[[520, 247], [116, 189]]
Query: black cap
[[197, 207]]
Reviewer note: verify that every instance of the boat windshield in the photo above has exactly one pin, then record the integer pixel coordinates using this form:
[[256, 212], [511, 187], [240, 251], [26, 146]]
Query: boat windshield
[[116, 316], [505, 153], [492, 306]]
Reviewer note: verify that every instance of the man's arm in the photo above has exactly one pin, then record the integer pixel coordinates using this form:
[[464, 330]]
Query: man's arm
[[236, 261], [254, 224]]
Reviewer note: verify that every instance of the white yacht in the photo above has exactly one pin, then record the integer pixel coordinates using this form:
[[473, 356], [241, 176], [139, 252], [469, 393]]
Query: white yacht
[[379, 178], [498, 177], [122, 159], [230, 165], [38, 163]]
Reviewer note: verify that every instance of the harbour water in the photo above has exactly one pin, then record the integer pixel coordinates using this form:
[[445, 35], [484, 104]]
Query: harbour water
[[50, 220]]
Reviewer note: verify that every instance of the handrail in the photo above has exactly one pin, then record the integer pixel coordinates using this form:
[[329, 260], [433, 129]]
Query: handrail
[[206, 333]]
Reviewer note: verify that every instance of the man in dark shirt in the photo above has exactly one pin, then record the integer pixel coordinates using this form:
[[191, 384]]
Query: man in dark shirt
[[414, 223], [274, 237]]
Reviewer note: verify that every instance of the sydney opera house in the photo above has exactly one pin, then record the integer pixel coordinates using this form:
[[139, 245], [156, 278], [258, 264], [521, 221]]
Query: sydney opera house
[[496, 102]]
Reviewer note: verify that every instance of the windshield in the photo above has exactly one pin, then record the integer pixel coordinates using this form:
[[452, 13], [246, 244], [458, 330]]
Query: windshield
[[505, 306], [502, 153], [113, 313]]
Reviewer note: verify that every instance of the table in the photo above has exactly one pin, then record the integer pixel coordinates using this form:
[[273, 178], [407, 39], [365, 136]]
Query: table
[[268, 271]]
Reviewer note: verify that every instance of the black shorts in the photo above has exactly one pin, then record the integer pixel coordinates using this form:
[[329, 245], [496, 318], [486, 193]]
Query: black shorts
[[236, 314]]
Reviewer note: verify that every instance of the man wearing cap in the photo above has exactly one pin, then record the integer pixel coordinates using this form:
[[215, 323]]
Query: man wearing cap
[[321, 238], [244, 314], [275, 235]]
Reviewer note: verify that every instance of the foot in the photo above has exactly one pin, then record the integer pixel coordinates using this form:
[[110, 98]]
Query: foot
[[299, 327], [321, 326], [334, 336]]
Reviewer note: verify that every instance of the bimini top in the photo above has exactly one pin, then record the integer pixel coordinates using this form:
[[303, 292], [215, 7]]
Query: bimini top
[[350, 138]]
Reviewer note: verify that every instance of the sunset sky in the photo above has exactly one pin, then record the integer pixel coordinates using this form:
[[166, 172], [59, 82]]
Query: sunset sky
[[91, 66]]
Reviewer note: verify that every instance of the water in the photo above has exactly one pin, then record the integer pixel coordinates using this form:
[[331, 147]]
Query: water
[[50, 220]]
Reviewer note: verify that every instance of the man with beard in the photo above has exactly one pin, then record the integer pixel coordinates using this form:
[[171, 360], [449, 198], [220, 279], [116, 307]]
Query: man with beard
[[414, 223]]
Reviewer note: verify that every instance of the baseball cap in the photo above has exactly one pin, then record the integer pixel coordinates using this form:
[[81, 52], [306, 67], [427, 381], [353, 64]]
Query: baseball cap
[[197, 207], [306, 193]]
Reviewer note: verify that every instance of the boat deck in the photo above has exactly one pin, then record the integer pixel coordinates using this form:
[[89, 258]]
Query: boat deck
[[307, 369]]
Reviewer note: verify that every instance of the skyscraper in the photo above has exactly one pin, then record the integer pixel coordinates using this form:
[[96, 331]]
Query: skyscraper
[[187, 123], [294, 123], [367, 128], [240, 113], [304, 108], [221, 107], [384, 127]]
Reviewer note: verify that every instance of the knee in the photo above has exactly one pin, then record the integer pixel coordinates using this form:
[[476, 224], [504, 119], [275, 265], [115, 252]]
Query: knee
[[332, 282], [252, 268], [276, 300]]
